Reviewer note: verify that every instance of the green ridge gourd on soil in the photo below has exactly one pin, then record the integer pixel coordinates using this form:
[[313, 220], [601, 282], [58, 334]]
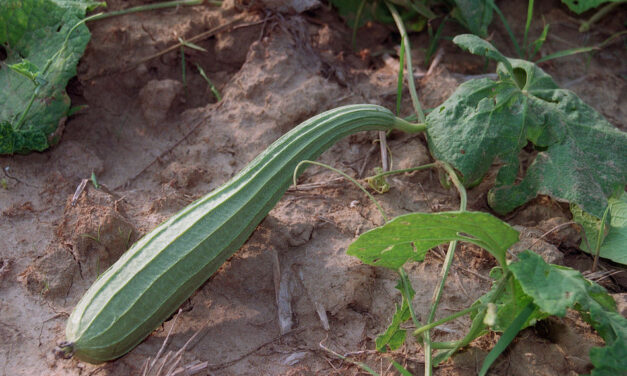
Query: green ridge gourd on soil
[[159, 272]]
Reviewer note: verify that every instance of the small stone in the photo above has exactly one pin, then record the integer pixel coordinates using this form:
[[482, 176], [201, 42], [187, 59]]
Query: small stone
[[156, 99], [621, 303], [530, 238]]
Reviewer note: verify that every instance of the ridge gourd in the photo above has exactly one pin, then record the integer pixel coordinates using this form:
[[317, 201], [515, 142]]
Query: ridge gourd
[[159, 272]]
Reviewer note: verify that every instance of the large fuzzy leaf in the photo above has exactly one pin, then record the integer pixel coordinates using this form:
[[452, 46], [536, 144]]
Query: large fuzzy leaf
[[475, 15], [33, 33], [582, 157], [554, 289]]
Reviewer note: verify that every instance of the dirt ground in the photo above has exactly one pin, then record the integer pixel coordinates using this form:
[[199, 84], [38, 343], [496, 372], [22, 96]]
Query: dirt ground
[[158, 144]]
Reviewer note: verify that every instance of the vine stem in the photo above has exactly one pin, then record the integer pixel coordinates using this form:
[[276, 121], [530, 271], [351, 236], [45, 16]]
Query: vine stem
[[385, 218], [448, 261], [585, 26], [447, 319], [407, 295], [411, 169]]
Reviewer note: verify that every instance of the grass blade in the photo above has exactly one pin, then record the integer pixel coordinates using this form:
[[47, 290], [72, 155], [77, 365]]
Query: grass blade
[[538, 43], [564, 53], [410, 71], [399, 86], [527, 25], [356, 24], [507, 337], [212, 87], [507, 28], [401, 369], [433, 41]]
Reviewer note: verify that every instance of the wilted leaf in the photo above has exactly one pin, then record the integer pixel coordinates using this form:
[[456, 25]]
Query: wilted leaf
[[33, 33], [475, 15], [582, 157]]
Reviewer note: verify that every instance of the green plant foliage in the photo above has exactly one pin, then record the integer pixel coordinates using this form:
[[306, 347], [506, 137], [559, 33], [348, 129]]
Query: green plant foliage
[[409, 237], [555, 289], [525, 291], [28, 70], [394, 336], [481, 47], [33, 91], [509, 304], [580, 6], [474, 15], [582, 158], [614, 242]]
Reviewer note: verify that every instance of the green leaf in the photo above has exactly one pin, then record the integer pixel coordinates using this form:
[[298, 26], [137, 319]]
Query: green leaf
[[538, 43], [580, 6], [582, 158], [394, 336], [481, 47], [556, 288], [28, 70], [475, 15], [509, 304], [401, 369], [33, 34], [614, 243], [11, 140], [567, 286], [410, 236], [412, 12]]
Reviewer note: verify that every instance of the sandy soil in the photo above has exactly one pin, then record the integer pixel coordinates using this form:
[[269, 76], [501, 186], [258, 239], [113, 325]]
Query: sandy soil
[[158, 145]]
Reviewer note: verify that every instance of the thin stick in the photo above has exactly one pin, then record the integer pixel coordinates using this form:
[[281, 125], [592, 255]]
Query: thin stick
[[195, 38], [552, 230], [456, 267], [434, 63], [165, 341], [384, 151], [179, 354], [362, 365]]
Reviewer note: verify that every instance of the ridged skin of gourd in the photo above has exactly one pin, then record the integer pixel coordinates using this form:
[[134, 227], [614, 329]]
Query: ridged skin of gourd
[[159, 272]]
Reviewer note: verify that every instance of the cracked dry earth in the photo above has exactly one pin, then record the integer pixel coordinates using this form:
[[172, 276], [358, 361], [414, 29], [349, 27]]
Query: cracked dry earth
[[157, 145]]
